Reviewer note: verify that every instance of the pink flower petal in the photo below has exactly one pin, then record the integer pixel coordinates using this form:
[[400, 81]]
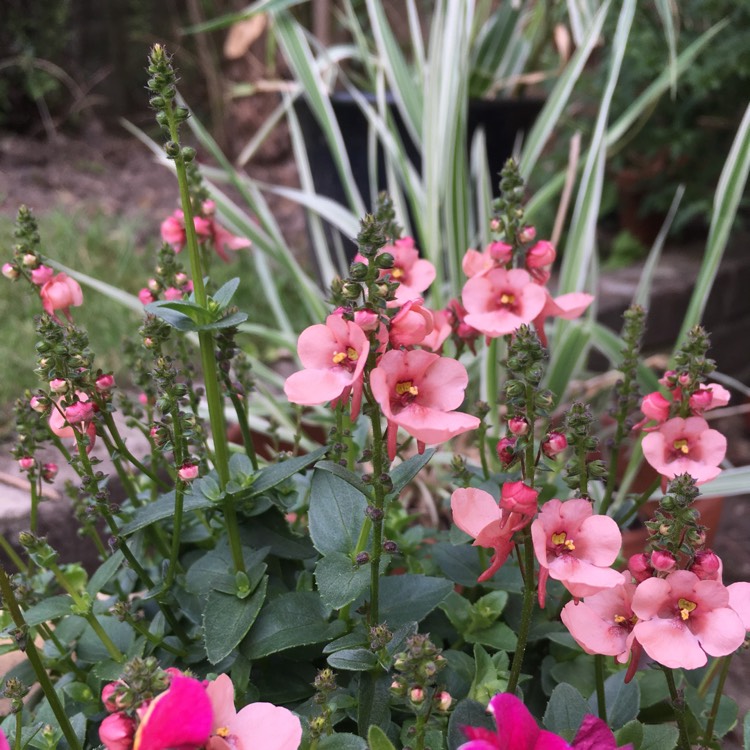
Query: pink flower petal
[[670, 642], [739, 601], [266, 726], [221, 694], [473, 510]]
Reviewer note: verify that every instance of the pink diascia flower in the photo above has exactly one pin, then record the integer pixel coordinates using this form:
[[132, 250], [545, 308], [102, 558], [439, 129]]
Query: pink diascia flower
[[257, 725], [495, 255], [500, 302], [517, 730], [539, 260], [61, 293], [65, 421], [603, 623], [566, 306], [710, 396], [575, 547], [682, 618], [221, 238], [685, 446], [441, 330], [418, 391], [477, 513], [410, 324], [334, 357], [42, 274], [180, 717]]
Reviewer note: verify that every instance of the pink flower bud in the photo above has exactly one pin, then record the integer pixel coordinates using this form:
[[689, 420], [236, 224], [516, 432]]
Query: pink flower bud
[[49, 472], [143, 399], [10, 271], [208, 208], [668, 379], [108, 697], [38, 405], [527, 234], [188, 472], [662, 561], [148, 342], [154, 285], [181, 279], [42, 275], [554, 443], [707, 565], [26, 463], [146, 297], [494, 225], [517, 497], [540, 255], [117, 731], [105, 382], [655, 406], [500, 252], [518, 426], [416, 695], [711, 396], [30, 260], [173, 293], [58, 385], [640, 567], [506, 450], [444, 700], [684, 379]]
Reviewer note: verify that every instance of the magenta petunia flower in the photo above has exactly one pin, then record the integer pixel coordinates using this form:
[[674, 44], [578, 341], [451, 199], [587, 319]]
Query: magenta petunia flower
[[477, 513], [500, 302], [257, 725], [603, 623], [418, 391], [682, 618], [518, 730], [575, 547], [334, 357], [180, 717], [685, 446]]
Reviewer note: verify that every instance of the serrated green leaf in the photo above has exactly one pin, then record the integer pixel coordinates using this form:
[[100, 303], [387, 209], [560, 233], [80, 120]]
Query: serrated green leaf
[[565, 711], [337, 512], [290, 620], [339, 580], [631, 733], [48, 609], [342, 742], [163, 508], [343, 473], [227, 620], [659, 737], [402, 474]]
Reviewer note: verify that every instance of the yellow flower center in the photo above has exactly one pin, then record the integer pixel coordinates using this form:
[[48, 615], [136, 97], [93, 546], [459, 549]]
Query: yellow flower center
[[338, 358], [350, 355], [397, 273], [507, 299], [223, 731], [619, 619], [686, 607], [406, 388], [682, 446], [561, 539]]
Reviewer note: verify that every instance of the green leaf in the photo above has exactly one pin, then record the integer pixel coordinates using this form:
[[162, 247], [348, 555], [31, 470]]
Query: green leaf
[[402, 474], [163, 508], [498, 636], [623, 700], [342, 742], [459, 563], [746, 731], [270, 476], [90, 648], [631, 733], [565, 711], [378, 740], [290, 620], [213, 570], [410, 597], [227, 620], [490, 674], [343, 473], [104, 573], [48, 609], [223, 296], [339, 580], [337, 512], [353, 660], [659, 737]]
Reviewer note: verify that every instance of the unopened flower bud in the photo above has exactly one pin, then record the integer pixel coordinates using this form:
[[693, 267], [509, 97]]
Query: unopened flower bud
[[444, 700], [49, 471], [351, 291], [42, 275], [26, 463], [362, 558], [554, 443], [707, 565], [358, 271], [30, 260], [180, 279], [38, 404], [385, 261], [105, 382], [662, 561], [153, 285], [500, 252], [639, 566], [58, 385], [416, 695], [494, 225], [518, 426], [188, 472], [527, 234], [506, 450], [10, 271]]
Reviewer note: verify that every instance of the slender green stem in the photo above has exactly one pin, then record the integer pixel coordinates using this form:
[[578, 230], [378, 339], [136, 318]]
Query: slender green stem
[[13, 555], [643, 498], [122, 448], [527, 610], [18, 741], [247, 437], [151, 637], [679, 709], [709, 733], [378, 467], [48, 688], [48, 634], [601, 698], [491, 381]]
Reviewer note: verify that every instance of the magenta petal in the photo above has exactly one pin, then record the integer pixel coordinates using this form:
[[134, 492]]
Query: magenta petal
[[179, 717], [594, 734], [516, 727]]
